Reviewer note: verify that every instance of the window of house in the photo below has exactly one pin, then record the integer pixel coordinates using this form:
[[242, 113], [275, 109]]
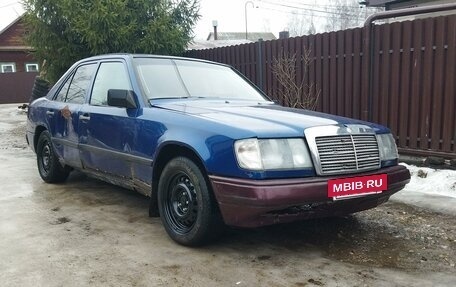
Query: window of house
[[31, 68], [8, 67], [111, 75]]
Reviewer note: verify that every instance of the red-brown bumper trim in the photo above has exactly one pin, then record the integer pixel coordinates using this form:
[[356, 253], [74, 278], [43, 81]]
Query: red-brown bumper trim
[[251, 203]]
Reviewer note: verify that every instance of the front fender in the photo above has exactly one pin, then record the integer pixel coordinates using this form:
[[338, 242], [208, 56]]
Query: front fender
[[215, 151]]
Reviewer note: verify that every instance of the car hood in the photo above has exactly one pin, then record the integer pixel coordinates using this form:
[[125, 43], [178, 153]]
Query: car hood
[[264, 119]]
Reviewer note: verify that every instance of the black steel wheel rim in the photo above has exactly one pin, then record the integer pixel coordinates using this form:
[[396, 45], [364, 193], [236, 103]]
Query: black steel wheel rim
[[181, 207], [46, 157]]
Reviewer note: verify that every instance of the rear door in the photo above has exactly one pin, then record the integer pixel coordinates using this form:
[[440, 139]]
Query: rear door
[[62, 113], [108, 134]]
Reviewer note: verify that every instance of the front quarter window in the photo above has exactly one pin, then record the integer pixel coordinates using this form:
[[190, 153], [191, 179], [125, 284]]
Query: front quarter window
[[61, 96]]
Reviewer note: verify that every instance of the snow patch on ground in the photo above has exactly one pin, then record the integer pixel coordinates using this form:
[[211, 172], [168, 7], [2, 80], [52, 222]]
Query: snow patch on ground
[[431, 181]]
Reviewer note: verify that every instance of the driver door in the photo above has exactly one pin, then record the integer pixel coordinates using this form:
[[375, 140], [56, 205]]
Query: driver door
[[108, 134]]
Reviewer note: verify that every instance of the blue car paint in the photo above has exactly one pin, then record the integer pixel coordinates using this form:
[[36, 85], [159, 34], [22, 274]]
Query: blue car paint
[[112, 129], [209, 127], [237, 120]]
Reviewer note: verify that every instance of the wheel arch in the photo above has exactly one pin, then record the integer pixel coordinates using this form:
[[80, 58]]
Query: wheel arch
[[165, 153], [38, 130]]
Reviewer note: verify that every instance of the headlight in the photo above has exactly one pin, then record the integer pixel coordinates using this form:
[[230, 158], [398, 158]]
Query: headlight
[[268, 154], [387, 147]]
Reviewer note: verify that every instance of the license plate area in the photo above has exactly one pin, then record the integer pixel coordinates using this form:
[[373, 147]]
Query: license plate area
[[343, 188]]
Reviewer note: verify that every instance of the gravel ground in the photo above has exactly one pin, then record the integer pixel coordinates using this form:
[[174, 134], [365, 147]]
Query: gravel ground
[[86, 232]]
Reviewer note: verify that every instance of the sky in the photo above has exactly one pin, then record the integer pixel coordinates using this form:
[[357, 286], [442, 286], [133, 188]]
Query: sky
[[9, 10], [262, 15]]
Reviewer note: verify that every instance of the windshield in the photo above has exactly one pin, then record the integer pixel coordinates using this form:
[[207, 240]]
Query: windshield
[[170, 79]]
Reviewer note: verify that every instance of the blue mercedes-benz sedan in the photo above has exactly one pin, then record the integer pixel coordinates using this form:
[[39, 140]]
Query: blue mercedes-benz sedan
[[206, 146]]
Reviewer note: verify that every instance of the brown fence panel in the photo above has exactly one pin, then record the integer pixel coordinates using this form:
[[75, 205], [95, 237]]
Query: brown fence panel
[[437, 82], [340, 57], [325, 85], [412, 77], [428, 64], [449, 114], [357, 74], [347, 98], [405, 84], [393, 94], [16, 87], [317, 47]]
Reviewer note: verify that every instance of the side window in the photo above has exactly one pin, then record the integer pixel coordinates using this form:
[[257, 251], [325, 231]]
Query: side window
[[80, 84], [111, 75], [61, 96], [31, 68], [7, 67]]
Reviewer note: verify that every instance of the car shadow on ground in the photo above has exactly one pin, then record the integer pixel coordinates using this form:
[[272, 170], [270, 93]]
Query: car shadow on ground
[[352, 238], [378, 238]]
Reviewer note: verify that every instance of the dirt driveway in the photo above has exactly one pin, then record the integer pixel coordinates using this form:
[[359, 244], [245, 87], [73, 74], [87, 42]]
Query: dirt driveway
[[86, 232]]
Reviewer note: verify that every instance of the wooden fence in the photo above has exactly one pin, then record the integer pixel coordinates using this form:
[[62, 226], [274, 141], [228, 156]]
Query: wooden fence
[[410, 86], [16, 87]]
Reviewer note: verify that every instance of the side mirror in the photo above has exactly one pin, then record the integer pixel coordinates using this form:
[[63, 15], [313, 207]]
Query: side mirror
[[122, 99]]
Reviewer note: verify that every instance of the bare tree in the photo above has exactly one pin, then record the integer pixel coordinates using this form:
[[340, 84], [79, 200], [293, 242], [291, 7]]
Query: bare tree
[[337, 15], [301, 24], [294, 92], [266, 25], [345, 14]]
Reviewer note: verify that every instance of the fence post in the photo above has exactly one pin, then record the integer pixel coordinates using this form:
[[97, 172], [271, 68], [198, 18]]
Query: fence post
[[260, 64]]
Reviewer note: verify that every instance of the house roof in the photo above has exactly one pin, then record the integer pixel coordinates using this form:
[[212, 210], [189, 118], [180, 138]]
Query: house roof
[[252, 36], [12, 36], [11, 24], [200, 45]]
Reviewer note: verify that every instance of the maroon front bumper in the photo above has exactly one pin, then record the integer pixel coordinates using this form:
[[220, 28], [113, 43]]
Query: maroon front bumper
[[252, 203]]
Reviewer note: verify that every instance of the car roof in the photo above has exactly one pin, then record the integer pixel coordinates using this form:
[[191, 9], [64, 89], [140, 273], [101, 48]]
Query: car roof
[[131, 56]]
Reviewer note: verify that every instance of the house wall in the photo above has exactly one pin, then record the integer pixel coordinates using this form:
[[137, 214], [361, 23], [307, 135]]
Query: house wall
[[20, 58], [416, 3], [15, 87], [13, 48], [420, 3], [13, 36]]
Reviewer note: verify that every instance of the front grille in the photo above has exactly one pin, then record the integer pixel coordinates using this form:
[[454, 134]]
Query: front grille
[[347, 153]]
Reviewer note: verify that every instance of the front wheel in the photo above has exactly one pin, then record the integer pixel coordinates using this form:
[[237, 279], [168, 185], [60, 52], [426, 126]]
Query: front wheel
[[49, 167], [186, 204]]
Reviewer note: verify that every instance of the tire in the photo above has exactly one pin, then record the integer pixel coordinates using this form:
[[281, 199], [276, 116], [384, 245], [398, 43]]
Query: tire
[[49, 167], [186, 204]]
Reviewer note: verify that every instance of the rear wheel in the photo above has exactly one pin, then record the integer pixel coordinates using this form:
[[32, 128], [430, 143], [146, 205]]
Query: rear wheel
[[49, 167], [187, 208]]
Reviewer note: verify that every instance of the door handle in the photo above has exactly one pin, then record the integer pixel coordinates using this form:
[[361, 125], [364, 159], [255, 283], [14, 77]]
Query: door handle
[[84, 117], [50, 113]]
